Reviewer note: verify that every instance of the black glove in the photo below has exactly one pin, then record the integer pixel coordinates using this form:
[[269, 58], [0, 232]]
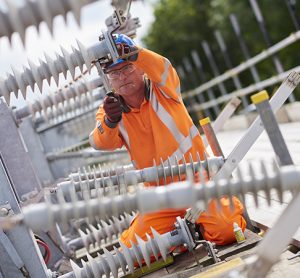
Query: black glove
[[113, 109]]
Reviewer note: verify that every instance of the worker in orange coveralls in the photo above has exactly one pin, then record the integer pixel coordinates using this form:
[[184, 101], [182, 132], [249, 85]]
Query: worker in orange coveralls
[[147, 115]]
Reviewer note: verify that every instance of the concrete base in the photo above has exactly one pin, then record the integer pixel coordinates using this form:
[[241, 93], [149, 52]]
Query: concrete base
[[288, 113], [236, 122], [282, 116], [293, 111]]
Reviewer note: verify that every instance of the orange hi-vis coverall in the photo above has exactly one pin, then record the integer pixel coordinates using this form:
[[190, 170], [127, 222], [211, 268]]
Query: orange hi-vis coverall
[[159, 129]]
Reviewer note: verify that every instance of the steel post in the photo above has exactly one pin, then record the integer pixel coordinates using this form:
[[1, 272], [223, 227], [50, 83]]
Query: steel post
[[229, 65], [261, 101], [267, 38], [213, 66], [245, 50], [199, 66], [291, 5], [211, 137]]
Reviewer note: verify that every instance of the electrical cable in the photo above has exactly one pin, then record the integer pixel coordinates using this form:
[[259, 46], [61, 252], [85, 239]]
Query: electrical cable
[[47, 254]]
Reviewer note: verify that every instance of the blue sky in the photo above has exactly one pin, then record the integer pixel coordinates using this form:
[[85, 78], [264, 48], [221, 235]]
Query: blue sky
[[92, 19]]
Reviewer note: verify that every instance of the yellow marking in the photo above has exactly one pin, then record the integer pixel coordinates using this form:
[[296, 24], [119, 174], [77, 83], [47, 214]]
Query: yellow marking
[[204, 121], [219, 269], [154, 266], [260, 97]]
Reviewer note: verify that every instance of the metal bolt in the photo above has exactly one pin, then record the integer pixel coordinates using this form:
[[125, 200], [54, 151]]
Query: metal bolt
[[4, 211]]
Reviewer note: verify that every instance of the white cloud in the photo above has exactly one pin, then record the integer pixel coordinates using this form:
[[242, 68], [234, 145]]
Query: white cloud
[[93, 17]]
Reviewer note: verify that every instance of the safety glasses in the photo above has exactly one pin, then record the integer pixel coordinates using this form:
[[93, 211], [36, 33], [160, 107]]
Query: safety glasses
[[115, 74]]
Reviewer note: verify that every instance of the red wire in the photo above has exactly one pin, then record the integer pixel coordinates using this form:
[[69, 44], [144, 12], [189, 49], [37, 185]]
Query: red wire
[[47, 250]]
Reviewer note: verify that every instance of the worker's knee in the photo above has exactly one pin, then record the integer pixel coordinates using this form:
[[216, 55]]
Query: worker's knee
[[217, 223], [162, 221]]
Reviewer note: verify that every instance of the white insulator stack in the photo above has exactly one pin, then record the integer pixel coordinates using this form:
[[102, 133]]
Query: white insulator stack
[[150, 174], [76, 106], [177, 195], [51, 68], [109, 264], [82, 125], [18, 17], [80, 91], [102, 232]]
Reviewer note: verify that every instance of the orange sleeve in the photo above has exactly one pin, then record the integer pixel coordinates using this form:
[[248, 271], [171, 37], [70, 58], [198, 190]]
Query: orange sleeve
[[104, 137], [160, 71]]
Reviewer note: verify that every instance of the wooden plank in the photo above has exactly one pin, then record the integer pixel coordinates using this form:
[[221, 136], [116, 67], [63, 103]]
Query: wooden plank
[[218, 270]]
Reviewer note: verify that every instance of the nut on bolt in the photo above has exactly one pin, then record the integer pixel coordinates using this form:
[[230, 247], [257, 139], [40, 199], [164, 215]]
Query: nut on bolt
[[4, 211]]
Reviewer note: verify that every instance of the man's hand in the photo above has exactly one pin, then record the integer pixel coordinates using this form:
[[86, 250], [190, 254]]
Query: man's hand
[[112, 108]]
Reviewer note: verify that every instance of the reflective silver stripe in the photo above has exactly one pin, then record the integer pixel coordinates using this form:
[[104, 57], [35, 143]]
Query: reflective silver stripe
[[165, 95], [92, 141], [185, 145], [164, 75], [178, 91], [124, 133], [166, 118]]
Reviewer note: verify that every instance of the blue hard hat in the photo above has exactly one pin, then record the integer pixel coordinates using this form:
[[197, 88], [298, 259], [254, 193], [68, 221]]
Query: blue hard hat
[[120, 39]]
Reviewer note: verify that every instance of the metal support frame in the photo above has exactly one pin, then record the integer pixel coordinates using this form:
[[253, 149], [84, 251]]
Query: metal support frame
[[15, 155], [267, 253], [36, 151], [267, 116], [56, 137], [21, 238]]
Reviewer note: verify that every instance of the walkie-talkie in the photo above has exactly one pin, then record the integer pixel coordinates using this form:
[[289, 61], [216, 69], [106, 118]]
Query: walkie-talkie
[[124, 106]]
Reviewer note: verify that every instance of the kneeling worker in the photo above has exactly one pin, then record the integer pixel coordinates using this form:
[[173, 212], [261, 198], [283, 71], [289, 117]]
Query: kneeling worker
[[147, 115]]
